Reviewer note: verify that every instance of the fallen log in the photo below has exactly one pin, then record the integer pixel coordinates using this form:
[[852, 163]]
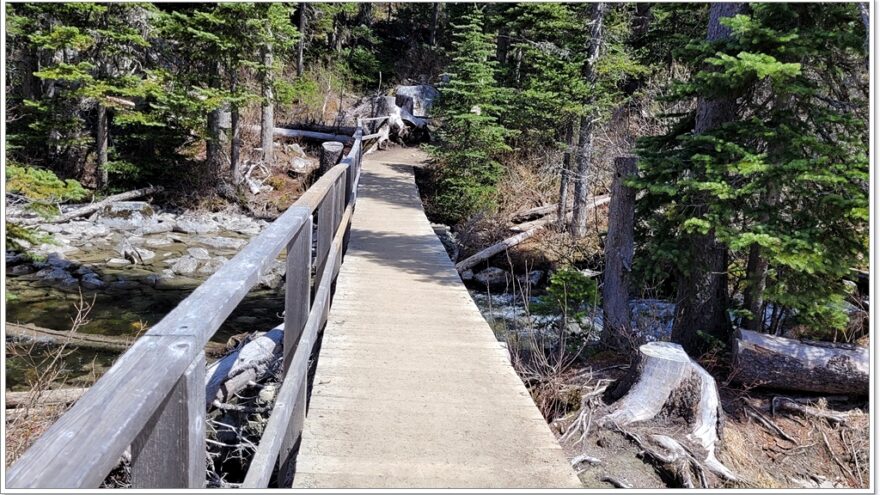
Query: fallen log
[[91, 208], [788, 364], [33, 333], [666, 379], [61, 396], [533, 213], [249, 363], [594, 202], [495, 249], [299, 133], [527, 230]]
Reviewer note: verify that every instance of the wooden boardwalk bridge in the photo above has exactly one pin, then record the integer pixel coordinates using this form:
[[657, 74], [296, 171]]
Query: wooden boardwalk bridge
[[411, 389]]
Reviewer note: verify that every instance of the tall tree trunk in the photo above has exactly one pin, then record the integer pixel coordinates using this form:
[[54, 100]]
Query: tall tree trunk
[[616, 328], [101, 142], [214, 144], [865, 14], [300, 45], [578, 225], [435, 16], [702, 291], [565, 176], [267, 115], [235, 145]]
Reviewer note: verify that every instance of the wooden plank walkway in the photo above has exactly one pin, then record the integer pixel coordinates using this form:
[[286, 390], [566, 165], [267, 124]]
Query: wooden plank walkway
[[412, 389]]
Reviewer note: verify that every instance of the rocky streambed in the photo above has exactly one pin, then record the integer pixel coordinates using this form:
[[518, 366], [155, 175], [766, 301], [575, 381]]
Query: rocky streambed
[[136, 263]]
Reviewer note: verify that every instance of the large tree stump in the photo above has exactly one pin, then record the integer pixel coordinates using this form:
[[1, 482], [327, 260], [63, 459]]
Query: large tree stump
[[778, 362], [667, 380], [331, 152]]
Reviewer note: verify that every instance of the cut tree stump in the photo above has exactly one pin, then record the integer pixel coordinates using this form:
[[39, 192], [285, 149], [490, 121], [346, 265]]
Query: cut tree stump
[[667, 380], [809, 366], [331, 152]]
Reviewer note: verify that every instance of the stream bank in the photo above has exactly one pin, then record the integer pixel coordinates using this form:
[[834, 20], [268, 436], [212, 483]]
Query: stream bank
[[133, 263]]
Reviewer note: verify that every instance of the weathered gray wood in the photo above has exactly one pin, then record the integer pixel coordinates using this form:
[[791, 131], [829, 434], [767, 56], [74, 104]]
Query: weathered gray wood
[[227, 287], [778, 362], [532, 213], [592, 203], [616, 327], [43, 398], [320, 136], [496, 248], [170, 450], [91, 208], [86, 442], [228, 375], [297, 287], [285, 423], [331, 152], [134, 398], [664, 370], [324, 236]]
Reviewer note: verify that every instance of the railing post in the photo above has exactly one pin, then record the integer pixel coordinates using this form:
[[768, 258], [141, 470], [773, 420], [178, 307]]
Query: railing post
[[296, 313], [325, 234], [170, 450], [297, 287]]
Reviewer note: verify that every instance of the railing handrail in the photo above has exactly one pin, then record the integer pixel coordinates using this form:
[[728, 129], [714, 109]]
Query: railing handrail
[[154, 392]]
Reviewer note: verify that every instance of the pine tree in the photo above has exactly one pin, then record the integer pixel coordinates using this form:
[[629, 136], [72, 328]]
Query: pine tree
[[88, 61], [781, 187], [471, 138]]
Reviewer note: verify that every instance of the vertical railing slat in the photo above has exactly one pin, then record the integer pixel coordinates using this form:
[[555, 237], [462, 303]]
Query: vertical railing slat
[[170, 450]]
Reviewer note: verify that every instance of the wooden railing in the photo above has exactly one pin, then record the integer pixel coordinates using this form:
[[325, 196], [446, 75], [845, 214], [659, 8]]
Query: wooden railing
[[153, 398]]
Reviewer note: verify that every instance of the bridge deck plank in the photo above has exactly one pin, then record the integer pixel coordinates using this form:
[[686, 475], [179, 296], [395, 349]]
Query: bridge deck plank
[[411, 387]]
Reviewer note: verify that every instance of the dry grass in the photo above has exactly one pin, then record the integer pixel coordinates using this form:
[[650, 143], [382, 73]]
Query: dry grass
[[29, 421]]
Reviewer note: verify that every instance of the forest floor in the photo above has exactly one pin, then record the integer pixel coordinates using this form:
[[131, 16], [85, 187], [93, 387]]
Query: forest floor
[[787, 452]]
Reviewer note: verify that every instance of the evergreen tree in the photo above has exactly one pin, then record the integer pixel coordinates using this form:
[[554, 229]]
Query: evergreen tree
[[471, 137], [88, 63], [783, 186]]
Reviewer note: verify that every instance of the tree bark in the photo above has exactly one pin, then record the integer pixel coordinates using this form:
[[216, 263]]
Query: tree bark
[[267, 115], [616, 326], [331, 152], [301, 43], [666, 380], [235, 145], [821, 367], [435, 16], [702, 297], [565, 176], [101, 143], [865, 14], [578, 227]]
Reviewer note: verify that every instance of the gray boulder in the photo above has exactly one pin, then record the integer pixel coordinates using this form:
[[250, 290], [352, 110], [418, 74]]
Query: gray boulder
[[493, 278], [117, 262], [195, 225], [186, 265], [423, 97], [199, 253], [158, 242], [92, 282], [222, 242], [212, 265], [532, 279], [127, 215], [23, 269], [274, 275]]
